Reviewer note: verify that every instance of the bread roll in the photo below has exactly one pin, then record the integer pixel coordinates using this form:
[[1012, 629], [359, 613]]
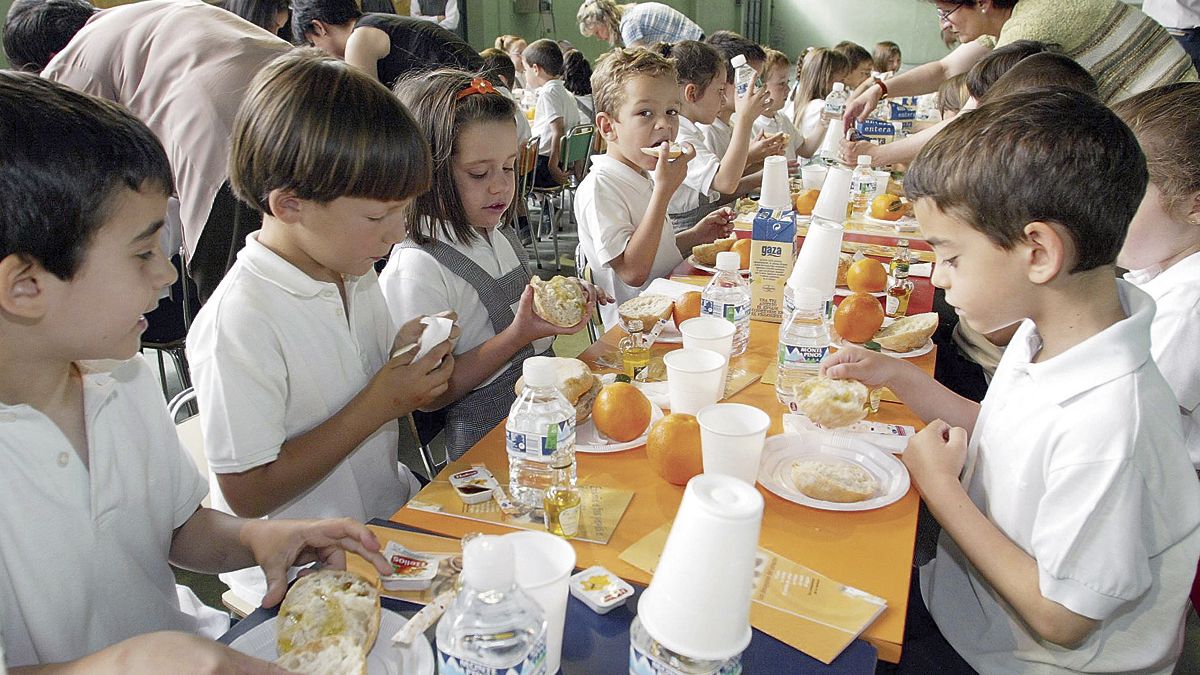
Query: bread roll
[[577, 384], [674, 150], [329, 602], [908, 333], [333, 655], [560, 301], [832, 403], [840, 482], [706, 254], [641, 313]]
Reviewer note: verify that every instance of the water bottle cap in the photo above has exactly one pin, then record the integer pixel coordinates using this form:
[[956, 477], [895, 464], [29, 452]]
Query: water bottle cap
[[807, 297], [738, 60], [488, 562], [729, 261], [864, 160], [838, 86], [539, 371]]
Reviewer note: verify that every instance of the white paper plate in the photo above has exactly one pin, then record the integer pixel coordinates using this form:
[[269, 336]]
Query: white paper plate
[[842, 291], [779, 452], [386, 657], [905, 224], [711, 270], [589, 440]]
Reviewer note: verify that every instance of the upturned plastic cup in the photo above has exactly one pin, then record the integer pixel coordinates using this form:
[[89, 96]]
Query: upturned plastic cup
[[709, 332], [816, 264], [544, 564], [698, 603], [694, 379], [731, 439], [835, 194], [881, 182], [813, 176], [775, 191]]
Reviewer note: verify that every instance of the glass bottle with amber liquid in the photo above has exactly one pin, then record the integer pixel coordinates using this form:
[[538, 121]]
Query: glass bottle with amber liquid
[[899, 292], [561, 506], [901, 255]]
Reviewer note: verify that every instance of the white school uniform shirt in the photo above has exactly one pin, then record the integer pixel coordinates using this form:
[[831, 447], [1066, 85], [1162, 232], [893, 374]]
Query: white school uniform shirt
[[1079, 461], [414, 283], [609, 205], [1175, 337], [84, 559], [1174, 13], [778, 123], [697, 189], [717, 136], [523, 130], [274, 354], [811, 117], [553, 102]]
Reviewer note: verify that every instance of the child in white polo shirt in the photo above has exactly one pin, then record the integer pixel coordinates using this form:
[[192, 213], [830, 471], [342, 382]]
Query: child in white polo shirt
[[555, 113], [1069, 507], [98, 496], [300, 375], [773, 122], [621, 206], [1162, 250]]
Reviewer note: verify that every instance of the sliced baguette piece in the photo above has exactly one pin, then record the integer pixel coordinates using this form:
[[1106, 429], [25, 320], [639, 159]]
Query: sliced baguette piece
[[559, 301], [640, 314], [333, 655], [839, 482], [908, 333], [832, 403], [706, 254], [576, 382], [674, 150], [329, 602]]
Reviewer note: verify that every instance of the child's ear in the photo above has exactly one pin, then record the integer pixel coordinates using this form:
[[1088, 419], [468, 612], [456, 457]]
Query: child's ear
[[1193, 214], [285, 206], [23, 287], [691, 93], [319, 28], [604, 125], [1048, 250]]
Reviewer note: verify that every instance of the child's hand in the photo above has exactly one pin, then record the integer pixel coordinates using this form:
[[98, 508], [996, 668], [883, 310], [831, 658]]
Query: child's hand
[[166, 651], [850, 150], [935, 455], [764, 146], [403, 385], [594, 294], [280, 544], [852, 362], [670, 173], [716, 225], [529, 326], [753, 104]]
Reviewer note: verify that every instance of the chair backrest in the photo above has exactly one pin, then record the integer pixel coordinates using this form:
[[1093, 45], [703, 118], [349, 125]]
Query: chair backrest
[[577, 149], [191, 436], [584, 271], [526, 163]]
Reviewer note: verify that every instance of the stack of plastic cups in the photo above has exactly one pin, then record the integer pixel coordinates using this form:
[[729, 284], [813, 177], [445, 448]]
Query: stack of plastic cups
[[712, 546], [776, 193]]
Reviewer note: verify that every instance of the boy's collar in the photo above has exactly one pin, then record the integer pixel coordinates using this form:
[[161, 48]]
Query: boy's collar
[[272, 267]]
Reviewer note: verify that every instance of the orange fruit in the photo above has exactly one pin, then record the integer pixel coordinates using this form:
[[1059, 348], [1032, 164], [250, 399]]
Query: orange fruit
[[742, 248], [867, 275], [888, 207], [686, 307], [673, 448], [804, 201], [621, 412], [858, 317]]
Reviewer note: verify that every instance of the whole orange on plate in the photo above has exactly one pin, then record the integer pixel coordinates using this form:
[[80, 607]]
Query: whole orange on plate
[[742, 248], [858, 317], [621, 412], [888, 207], [687, 306], [804, 201], [673, 448], [867, 275]]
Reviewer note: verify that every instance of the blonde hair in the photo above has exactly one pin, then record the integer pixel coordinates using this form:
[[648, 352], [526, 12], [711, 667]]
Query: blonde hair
[[884, 53], [606, 13], [1167, 127], [775, 59], [504, 42], [616, 68], [822, 67]]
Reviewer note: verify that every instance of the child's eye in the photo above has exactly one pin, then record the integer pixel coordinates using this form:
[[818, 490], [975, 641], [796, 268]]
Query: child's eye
[[646, 113], [477, 176], [147, 255], [950, 262], [672, 112]]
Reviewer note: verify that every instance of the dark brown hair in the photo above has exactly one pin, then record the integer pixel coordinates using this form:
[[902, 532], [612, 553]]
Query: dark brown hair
[[884, 52], [312, 124], [696, 63], [1052, 156], [853, 52], [1167, 124], [616, 68], [1047, 70], [545, 54], [432, 97], [987, 70], [496, 65]]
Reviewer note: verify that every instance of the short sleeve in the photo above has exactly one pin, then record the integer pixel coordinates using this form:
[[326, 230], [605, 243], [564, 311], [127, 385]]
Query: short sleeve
[[609, 220], [703, 168], [1174, 334], [548, 107], [414, 285]]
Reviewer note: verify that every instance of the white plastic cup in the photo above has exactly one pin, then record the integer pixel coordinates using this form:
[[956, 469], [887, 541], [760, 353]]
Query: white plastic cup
[[544, 564], [731, 439], [694, 379], [709, 332], [813, 176], [775, 191], [881, 182], [835, 194], [698, 603], [816, 264]]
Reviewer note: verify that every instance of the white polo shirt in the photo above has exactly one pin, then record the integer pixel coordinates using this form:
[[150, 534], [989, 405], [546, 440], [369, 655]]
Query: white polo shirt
[[609, 205], [273, 355], [779, 123], [697, 188], [553, 102], [1175, 337], [83, 564], [717, 136], [1080, 462], [416, 284]]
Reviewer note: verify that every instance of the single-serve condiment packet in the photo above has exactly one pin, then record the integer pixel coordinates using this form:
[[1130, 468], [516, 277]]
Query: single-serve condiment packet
[[474, 485], [600, 589], [411, 570], [891, 438]]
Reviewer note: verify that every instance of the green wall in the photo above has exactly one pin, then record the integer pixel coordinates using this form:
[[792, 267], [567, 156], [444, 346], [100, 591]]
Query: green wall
[[798, 24]]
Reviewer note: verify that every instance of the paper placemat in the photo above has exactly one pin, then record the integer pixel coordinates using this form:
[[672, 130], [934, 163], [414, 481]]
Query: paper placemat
[[600, 511], [414, 541], [792, 603]]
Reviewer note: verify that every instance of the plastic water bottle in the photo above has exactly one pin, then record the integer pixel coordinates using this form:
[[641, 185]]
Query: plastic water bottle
[[539, 435], [743, 75], [835, 102], [492, 626], [727, 296], [862, 186], [803, 344]]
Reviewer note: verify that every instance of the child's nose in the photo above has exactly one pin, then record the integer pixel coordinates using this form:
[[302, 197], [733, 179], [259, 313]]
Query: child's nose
[[167, 274]]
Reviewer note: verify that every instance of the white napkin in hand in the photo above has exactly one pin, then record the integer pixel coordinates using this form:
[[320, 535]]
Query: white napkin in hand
[[437, 329]]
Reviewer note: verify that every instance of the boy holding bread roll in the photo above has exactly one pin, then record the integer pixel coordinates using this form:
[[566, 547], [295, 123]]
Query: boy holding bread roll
[[1070, 512], [99, 497], [621, 206]]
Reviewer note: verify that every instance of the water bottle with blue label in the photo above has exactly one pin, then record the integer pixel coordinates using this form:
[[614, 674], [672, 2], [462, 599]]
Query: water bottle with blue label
[[492, 627], [803, 344], [539, 434], [727, 296]]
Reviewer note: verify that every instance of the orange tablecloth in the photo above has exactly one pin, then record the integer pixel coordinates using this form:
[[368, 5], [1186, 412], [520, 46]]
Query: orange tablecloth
[[870, 550]]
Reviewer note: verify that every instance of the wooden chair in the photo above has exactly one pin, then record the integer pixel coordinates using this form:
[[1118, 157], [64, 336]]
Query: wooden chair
[[526, 163], [575, 152], [595, 325]]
